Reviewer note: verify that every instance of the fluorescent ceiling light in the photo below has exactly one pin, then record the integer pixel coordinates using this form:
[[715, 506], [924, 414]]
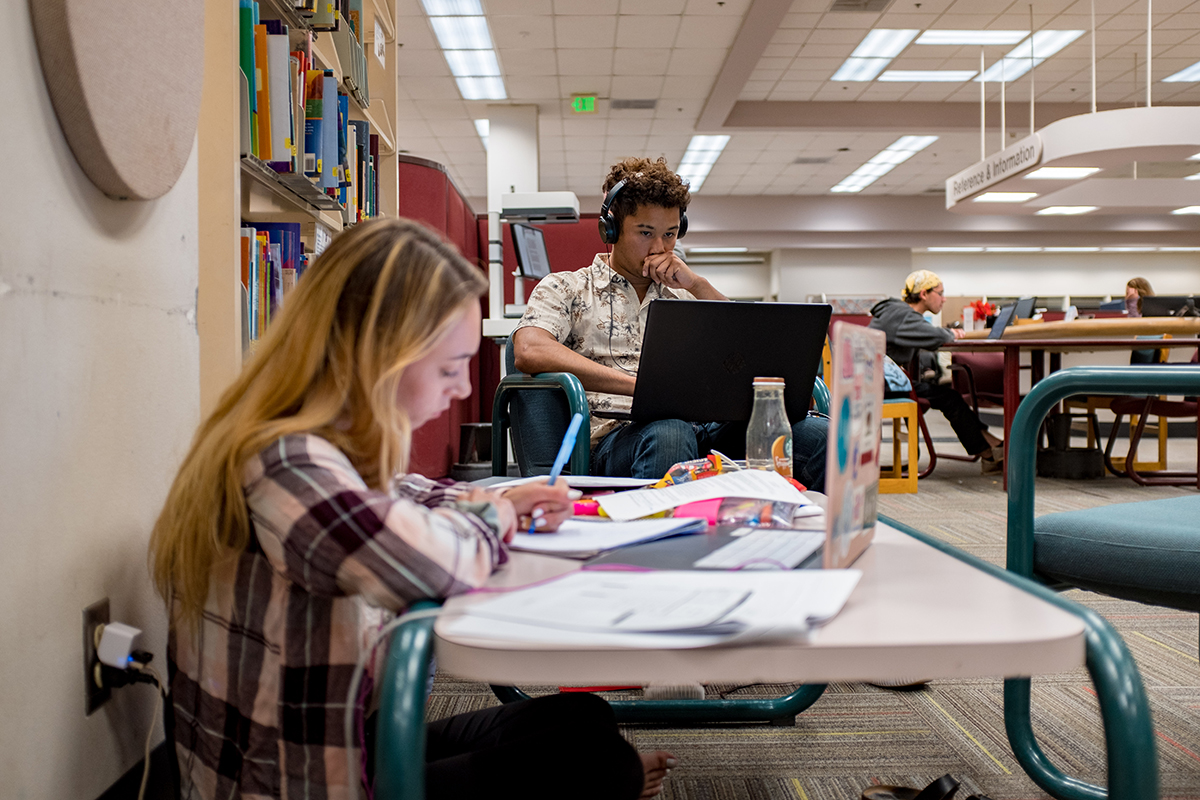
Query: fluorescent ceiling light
[[483, 127], [453, 8], [718, 250], [1065, 211], [1186, 75], [971, 37], [927, 75], [1194, 158], [1062, 173], [883, 162], [1195, 177], [874, 53], [860, 69], [1187, 210], [954, 249], [1179, 249], [1013, 249], [1127, 249], [884, 43], [462, 33], [473, 63], [1017, 62], [702, 152], [1072, 249], [481, 88], [1005, 197]]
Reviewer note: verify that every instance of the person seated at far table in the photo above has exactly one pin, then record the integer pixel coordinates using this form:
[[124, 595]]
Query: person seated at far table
[[291, 535], [1135, 290], [907, 331], [590, 322]]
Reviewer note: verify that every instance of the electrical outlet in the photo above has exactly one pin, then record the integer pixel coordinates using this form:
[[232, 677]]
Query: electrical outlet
[[94, 616]]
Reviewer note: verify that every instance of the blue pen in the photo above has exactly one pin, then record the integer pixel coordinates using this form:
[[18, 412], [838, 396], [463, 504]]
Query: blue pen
[[564, 452]]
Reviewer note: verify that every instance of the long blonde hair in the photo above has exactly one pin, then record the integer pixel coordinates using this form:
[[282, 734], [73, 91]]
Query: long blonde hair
[[378, 299]]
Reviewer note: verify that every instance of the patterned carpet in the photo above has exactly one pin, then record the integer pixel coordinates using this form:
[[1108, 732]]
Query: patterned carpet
[[857, 735]]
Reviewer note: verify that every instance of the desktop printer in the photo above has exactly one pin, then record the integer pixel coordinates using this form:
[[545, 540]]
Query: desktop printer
[[541, 207]]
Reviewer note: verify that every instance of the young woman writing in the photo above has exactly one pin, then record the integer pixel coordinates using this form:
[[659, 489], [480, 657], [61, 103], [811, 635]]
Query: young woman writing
[[291, 534]]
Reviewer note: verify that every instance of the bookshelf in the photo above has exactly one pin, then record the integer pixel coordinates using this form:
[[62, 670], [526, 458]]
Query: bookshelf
[[237, 187]]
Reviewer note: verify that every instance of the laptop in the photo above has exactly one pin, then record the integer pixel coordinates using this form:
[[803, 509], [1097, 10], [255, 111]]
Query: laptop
[[700, 358], [851, 472], [1002, 319]]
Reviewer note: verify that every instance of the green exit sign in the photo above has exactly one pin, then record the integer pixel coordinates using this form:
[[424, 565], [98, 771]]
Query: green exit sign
[[583, 104]]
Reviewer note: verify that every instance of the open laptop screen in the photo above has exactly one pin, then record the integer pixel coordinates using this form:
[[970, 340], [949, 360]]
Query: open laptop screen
[[1002, 319]]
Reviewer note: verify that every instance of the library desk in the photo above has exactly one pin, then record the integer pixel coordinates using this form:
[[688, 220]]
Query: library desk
[[897, 625], [1056, 338]]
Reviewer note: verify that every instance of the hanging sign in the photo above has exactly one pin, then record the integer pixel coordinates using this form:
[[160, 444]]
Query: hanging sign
[[1011, 161]]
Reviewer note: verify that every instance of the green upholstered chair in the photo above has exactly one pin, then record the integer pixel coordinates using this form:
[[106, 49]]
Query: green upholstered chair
[[1146, 551]]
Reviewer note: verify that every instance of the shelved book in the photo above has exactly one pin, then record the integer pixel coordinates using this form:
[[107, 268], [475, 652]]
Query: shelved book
[[296, 116], [273, 259]]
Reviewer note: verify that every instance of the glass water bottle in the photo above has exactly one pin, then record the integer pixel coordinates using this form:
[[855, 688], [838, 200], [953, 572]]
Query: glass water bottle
[[769, 434]]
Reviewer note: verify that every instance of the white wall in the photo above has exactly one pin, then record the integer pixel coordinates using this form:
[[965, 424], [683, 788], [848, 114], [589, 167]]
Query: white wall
[[1010, 274], [841, 271], [99, 398]]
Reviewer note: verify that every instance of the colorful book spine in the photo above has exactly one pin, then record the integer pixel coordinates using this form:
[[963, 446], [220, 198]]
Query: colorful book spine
[[262, 87], [314, 119], [329, 131], [279, 82]]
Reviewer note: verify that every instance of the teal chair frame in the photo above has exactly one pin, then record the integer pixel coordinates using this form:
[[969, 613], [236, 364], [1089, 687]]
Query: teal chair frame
[[1124, 709]]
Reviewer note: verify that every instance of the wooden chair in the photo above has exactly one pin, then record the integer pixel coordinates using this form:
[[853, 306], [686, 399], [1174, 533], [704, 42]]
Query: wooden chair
[[894, 480], [1092, 403]]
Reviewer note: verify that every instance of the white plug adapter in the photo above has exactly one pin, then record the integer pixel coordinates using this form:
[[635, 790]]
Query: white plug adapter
[[117, 642]]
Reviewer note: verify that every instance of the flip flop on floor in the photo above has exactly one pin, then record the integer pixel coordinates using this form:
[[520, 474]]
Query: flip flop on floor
[[941, 789]]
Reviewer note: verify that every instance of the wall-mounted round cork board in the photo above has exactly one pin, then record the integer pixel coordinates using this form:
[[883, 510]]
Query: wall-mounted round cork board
[[124, 77]]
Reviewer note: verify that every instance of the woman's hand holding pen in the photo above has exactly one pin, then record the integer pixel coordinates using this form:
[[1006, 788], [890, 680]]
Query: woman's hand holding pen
[[542, 507]]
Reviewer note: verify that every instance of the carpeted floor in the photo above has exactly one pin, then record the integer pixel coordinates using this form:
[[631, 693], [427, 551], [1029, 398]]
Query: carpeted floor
[[857, 734]]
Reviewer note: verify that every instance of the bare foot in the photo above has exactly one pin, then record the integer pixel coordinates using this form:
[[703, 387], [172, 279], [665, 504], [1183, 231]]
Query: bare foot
[[656, 765]]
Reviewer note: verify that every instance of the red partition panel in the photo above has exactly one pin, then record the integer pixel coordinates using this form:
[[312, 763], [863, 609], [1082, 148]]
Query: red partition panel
[[428, 195]]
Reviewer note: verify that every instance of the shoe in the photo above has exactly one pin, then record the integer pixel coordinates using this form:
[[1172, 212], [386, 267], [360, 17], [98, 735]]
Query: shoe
[[906, 685], [941, 789], [665, 691], [992, 464]]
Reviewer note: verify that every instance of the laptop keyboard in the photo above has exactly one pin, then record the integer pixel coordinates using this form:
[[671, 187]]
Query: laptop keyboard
[[764, 548]]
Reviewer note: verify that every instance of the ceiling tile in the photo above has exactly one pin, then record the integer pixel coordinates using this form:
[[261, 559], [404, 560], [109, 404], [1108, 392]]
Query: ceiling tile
[[646, 31], [420, 63], [716, 8], [414, 33], [585, 32], [641, 61], [717, 32], [535, 88], [585, 7], [688, 61], [511, 33], [585, 62], [529, 63]]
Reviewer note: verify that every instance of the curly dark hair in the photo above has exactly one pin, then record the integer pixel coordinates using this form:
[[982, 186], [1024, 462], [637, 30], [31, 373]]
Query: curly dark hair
[[646, 183]]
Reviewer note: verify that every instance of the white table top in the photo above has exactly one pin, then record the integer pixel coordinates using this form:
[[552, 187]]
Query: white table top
[[916, 613]]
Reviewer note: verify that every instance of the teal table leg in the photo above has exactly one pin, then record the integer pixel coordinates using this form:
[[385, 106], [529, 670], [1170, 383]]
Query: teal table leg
[[776, 710], [1124, 709], [400, 749]]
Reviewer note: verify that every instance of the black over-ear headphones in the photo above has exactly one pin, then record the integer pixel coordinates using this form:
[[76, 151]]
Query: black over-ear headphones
[[610, 231]]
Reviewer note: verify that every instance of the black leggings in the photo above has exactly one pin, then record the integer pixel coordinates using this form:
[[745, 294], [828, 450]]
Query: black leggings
[[966, 423], [554, 746]]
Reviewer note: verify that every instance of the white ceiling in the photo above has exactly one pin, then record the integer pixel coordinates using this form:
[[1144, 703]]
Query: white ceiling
[[682, 54]]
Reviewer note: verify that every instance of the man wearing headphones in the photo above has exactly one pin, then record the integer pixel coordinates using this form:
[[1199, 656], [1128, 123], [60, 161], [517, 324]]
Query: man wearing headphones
[[590, 322]]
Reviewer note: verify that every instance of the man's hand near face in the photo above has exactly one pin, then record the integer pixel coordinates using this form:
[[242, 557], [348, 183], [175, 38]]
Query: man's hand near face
[[670, 270]]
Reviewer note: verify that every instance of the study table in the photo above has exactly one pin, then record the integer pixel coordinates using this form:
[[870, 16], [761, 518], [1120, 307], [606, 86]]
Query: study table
[[1077, 336], [922, 609]]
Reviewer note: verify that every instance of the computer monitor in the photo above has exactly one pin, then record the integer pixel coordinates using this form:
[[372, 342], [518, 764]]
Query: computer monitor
[[1024, 308], [1168, 305], [529, 244]]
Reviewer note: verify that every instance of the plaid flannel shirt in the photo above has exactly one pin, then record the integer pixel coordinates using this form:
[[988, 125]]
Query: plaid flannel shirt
[[260, 691]]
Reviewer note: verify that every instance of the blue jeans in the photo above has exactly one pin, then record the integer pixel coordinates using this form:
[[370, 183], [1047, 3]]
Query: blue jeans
[[649, 449]]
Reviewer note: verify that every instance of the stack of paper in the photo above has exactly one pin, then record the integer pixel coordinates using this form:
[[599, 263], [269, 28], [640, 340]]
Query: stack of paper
[[584, 538], [660, 610]]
